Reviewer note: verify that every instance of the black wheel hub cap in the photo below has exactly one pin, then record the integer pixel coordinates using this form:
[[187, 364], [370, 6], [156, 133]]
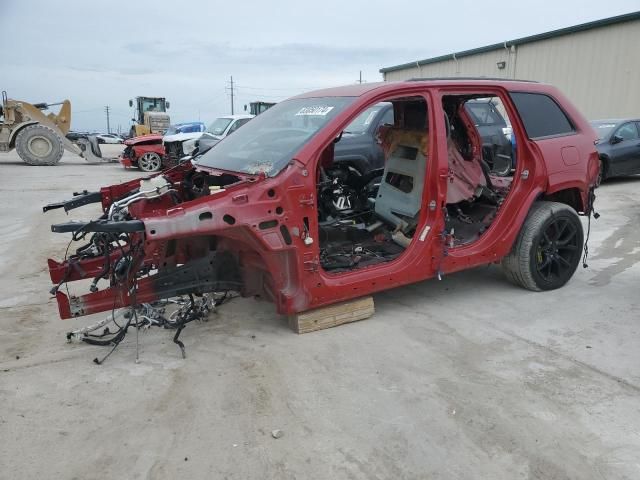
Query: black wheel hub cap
[[557, 249]]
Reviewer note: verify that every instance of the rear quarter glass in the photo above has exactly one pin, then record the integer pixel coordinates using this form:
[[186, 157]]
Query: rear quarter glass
[[541, 115]]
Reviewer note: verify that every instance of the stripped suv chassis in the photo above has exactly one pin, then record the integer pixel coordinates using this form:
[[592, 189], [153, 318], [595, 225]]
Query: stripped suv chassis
[[308, 236]]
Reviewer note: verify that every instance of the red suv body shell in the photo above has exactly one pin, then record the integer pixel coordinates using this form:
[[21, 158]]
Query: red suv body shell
[[288, 273]]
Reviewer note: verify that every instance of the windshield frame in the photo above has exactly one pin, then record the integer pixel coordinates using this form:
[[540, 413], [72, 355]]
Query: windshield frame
[[268, 143]]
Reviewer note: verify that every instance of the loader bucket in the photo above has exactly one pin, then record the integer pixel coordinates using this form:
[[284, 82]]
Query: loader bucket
[[91, 150]]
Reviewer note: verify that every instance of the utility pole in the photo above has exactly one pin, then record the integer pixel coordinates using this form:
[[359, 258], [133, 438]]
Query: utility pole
[[231, 94], [106, 109], [360, 80]]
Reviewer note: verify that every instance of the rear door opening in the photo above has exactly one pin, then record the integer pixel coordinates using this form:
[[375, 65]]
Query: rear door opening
[[481, 154]]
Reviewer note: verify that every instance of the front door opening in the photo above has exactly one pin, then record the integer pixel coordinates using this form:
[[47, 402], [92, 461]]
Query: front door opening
[[368, 213]]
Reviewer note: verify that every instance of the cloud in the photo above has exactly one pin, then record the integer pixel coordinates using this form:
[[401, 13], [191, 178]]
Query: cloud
[[209, 54], [115, 70], [106, 55]]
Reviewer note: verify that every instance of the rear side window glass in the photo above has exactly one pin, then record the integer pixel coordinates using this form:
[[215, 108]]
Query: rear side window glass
[[541, 115]]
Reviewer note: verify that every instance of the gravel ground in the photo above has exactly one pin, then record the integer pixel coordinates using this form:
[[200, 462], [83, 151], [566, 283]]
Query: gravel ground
[[469, 377]]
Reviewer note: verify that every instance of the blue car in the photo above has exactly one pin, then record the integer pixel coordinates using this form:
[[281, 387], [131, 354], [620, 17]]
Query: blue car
[[187, 127]]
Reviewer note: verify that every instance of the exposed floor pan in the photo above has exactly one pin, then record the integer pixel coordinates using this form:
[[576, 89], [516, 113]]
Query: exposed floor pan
[[345, 255], [467, 222]]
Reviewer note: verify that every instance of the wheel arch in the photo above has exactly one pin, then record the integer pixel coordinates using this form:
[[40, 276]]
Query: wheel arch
[[606, 160], [17, 129], [570, 195]]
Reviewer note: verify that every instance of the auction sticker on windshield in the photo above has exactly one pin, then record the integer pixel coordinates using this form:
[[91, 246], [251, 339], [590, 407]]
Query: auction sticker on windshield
[[315, 111]]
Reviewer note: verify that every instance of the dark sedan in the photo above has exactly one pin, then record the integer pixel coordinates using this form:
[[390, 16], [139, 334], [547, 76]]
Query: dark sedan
[[358, 145], [495, 133], [618, 146], [360, 148]]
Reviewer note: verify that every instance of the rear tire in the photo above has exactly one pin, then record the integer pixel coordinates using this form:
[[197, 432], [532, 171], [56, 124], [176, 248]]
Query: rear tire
[[150, 162], [39, 145], [548, 248]]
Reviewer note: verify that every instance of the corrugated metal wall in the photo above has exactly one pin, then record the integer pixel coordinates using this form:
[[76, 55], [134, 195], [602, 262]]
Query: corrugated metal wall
[[599, 69], [481, 64]]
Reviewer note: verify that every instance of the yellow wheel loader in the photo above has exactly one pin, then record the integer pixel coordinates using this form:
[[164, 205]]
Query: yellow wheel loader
[[40, 139], [150, 116]]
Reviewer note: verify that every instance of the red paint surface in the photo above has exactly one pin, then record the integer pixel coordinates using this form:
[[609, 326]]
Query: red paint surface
[[139, 146], [290, 275]]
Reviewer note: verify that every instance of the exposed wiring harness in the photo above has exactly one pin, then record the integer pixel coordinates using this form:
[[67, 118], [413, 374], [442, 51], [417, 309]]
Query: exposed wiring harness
[[174, 313], [123, 273], [590, 211]]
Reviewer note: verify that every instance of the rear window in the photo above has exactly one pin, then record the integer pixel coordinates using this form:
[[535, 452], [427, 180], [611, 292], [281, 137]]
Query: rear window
[[541, 115]]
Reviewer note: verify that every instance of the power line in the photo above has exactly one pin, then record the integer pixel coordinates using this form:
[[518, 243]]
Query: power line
[[261, 95], [106, 109], [88, 110], [214, 102], [232, 95]]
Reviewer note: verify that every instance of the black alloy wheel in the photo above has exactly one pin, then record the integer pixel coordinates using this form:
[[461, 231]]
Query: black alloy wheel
[[558, 249], [548, 248]]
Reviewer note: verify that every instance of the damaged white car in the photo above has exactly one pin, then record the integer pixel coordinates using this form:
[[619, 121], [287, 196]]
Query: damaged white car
[[180, 140]]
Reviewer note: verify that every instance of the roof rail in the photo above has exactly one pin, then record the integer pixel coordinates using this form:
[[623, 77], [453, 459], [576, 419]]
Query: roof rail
[[426, 79]]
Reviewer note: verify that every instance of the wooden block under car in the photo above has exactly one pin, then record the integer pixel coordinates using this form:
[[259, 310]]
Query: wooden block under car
[[332, 316]]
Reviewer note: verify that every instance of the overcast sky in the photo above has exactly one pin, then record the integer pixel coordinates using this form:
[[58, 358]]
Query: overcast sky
[[104, 53]]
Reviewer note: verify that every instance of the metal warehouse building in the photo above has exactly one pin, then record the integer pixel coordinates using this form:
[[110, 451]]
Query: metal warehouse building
[[596, 64]]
